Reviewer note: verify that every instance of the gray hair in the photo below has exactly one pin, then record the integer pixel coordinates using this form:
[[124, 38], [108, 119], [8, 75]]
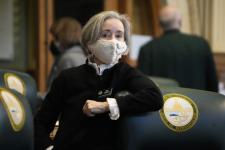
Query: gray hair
[[93, 28]]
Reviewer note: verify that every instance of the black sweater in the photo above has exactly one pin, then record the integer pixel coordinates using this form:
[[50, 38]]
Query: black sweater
[[68, 95]]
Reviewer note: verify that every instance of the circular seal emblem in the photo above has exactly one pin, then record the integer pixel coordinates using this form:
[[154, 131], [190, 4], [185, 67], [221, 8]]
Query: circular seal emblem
[[14, 109], [14, 82], [179, 112]]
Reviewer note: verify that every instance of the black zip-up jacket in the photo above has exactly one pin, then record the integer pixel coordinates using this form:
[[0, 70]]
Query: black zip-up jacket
[[69, 93]]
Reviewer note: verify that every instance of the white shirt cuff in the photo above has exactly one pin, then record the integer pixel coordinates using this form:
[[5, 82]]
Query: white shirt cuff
[[113, 108], [50, 147]]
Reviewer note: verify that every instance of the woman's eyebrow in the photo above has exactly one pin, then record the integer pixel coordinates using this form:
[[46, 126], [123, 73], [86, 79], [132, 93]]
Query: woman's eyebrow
[[106, 30], [119, 31]]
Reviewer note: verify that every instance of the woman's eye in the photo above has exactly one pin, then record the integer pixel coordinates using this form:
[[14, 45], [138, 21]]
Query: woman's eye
[[119, 36], [104, 35]]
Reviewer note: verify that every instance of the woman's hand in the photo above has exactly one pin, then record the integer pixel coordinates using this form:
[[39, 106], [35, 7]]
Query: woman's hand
[[92, 107]]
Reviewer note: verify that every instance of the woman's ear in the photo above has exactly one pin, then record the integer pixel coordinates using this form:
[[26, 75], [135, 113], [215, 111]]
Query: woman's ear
[[89, 49]]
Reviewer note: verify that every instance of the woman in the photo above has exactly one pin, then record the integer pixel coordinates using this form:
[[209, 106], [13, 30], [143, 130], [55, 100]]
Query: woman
[[66, 47], [88, 98]]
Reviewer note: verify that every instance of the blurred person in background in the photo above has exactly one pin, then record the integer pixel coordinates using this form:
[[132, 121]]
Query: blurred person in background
[[185, 58], [66, 47]]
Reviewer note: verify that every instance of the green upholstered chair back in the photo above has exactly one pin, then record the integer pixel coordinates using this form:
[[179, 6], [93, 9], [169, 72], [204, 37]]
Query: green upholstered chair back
[[16, 121], [22, 83], [190, 120], [161, 82]]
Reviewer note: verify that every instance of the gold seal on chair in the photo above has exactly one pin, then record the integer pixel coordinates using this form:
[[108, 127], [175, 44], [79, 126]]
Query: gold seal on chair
[[179, 112], [14, 109], [12, 81]]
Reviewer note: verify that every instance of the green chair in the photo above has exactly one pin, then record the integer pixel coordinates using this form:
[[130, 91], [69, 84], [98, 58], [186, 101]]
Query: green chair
[[16, 121], [189, 120], [22, 83], [161, 82]]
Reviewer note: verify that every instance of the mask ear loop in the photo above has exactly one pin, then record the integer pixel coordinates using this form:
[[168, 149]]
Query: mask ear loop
[[90, 55]]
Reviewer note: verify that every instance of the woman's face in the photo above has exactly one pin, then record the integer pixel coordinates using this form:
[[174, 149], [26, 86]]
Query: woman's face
[[110, 46], [112, 29]]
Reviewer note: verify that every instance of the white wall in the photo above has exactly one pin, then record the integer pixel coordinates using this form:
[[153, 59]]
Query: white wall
[[6, 30]]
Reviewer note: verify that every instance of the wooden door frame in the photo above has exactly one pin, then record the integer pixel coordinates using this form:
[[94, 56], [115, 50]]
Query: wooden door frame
[[44, 60]]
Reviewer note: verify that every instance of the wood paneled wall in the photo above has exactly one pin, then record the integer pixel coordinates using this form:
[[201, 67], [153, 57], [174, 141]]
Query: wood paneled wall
[[220, 64]]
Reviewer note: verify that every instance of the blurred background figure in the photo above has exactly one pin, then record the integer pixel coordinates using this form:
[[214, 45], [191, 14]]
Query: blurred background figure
[[65, 46], [186, 58]]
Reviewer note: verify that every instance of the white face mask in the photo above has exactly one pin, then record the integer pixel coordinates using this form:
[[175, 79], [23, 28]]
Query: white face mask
[[108, 51]]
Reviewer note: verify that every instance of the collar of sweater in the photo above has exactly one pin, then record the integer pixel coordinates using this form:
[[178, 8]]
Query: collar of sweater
[[100, 68]]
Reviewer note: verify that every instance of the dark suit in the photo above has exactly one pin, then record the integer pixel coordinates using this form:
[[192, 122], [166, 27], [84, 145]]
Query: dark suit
[[185, 58]]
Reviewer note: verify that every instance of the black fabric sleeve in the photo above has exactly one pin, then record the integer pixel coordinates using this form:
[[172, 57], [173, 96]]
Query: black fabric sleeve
[[144, 94], [44, 121]]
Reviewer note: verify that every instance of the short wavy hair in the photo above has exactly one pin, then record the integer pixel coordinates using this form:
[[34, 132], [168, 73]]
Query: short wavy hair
[[92, 30], [67, 31]]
